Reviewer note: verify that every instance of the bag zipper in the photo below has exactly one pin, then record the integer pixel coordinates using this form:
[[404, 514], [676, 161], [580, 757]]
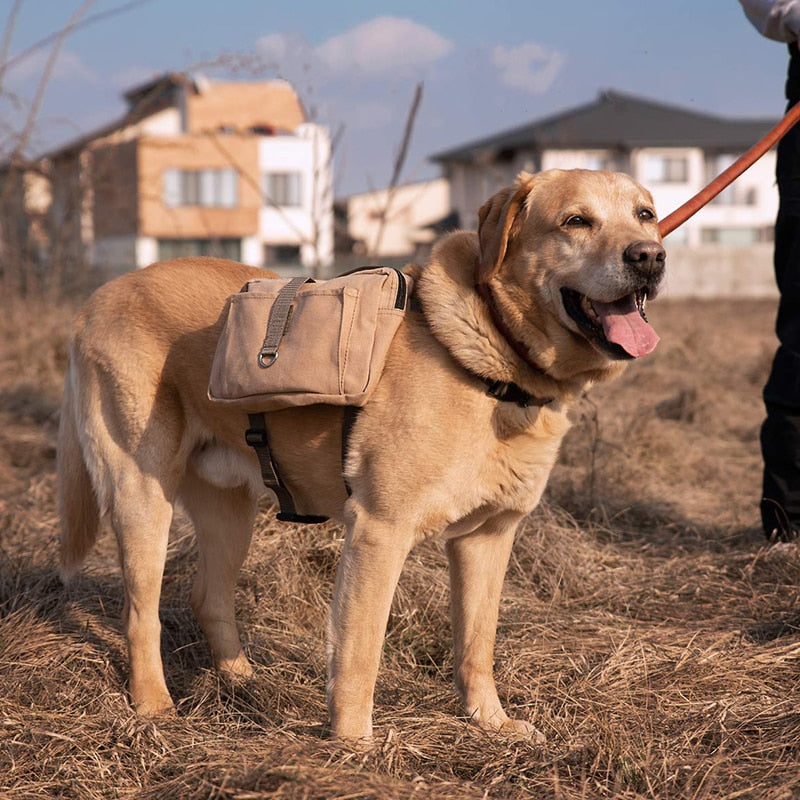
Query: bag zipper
[[400, 300]]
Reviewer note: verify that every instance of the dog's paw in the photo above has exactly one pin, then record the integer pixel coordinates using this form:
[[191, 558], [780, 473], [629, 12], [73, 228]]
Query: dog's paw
[[235, 669], [154, 707], [501, 723], [353, 743], [519, 727]]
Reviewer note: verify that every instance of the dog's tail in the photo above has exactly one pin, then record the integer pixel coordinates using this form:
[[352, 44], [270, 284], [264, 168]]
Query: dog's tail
[[77, 502]]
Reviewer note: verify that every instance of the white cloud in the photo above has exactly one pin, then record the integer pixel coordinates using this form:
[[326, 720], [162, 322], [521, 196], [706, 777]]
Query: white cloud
[[531, 67], [68, 67], [384, 44]]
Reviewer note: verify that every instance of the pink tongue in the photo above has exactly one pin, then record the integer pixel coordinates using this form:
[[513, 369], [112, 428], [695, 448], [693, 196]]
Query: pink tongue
[[623, 325]]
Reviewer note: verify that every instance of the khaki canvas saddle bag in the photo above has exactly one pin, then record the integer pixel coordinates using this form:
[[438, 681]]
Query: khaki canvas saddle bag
[[298, 342], [288, 343]]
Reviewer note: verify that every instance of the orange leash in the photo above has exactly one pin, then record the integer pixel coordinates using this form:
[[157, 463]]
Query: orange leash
[[728, 176]]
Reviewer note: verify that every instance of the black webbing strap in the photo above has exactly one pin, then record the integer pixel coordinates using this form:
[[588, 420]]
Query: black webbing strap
[[256, 436]]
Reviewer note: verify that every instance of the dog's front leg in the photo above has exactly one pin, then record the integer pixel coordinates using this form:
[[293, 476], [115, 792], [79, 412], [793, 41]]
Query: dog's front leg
[[478, 564], [371, 562]]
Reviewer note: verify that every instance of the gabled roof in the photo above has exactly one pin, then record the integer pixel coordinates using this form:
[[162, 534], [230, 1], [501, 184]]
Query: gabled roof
[[619, 121]]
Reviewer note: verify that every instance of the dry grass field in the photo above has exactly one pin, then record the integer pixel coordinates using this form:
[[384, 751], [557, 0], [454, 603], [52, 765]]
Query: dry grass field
[[646, 628]]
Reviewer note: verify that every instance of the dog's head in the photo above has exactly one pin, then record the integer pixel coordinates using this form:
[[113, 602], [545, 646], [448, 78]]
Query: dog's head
[[584, 247]]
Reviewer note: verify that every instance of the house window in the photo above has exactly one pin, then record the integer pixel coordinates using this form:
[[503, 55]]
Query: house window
[[732, 237], [665, 169], [603, 160], [284, 189], [281, 255], [221, 248], [211, 188], [737, 194]]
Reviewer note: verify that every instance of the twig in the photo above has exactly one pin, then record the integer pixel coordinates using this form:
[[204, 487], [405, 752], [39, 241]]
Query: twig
[[7, 34], [33, 111], [72, 26], [398, 164]]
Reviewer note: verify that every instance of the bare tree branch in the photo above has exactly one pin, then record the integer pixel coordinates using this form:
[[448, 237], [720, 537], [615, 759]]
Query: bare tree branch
[[7, 34], [398, 164], [33, 111], [71, 27]]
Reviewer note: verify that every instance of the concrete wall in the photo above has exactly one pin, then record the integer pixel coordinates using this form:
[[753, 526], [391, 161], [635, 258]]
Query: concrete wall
[[114, 254], [719, 271], [115, 190]]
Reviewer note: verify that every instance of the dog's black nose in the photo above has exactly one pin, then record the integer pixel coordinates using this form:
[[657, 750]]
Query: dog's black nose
[[647, 257]]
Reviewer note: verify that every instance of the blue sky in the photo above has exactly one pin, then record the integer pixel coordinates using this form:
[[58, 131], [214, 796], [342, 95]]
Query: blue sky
[[485, 66]]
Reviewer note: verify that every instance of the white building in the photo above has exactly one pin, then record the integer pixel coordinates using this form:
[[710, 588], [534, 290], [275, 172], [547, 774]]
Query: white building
[[401, 222]]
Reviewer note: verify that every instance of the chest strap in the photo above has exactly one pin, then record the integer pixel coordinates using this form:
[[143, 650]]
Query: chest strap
[[257, 437]]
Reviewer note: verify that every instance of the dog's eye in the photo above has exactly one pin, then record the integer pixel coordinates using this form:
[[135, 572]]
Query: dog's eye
[[576, 221], [646, 215]]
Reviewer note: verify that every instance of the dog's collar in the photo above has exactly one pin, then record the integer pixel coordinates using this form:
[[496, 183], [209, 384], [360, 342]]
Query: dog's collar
[[513, 393], [504, 391]]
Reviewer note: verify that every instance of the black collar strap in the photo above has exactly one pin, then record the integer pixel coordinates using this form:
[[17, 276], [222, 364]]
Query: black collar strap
[[512, 393]]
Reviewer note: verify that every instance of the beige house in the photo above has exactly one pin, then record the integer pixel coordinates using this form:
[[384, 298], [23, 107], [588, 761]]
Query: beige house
[[196, 167], [398, 223]]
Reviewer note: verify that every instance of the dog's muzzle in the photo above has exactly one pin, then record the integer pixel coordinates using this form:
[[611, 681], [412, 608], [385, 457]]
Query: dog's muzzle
[[620, 328]]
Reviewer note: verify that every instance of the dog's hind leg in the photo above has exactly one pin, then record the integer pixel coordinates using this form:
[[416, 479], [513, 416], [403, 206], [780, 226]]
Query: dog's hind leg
[[136, 453], [478, 564], [141, 514], [223, 522]]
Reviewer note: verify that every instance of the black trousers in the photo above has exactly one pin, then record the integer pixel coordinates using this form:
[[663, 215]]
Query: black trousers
[[780, 433]]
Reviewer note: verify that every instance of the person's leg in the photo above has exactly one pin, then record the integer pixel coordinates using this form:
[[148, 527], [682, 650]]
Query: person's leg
[[780, 433]]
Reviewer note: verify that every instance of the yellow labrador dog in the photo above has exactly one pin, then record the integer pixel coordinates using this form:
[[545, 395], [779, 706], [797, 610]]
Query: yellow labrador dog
[[510, 324]]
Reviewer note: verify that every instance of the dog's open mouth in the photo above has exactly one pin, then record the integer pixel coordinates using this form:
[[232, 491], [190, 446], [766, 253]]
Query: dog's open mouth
[[620, 327]]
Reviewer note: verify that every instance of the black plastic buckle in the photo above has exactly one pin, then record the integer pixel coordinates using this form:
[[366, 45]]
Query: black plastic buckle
[[256, 437], [512, 393], [496, 389]]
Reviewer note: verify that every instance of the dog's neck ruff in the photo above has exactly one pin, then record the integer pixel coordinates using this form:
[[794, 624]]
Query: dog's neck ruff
[[503, 385], [485, 291], [505, 391]]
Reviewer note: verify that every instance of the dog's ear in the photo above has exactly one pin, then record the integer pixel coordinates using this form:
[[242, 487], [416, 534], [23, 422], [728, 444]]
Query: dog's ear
[[499, 220]]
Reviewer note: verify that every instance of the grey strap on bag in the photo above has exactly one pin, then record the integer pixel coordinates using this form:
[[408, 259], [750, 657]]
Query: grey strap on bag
[[278, 317]]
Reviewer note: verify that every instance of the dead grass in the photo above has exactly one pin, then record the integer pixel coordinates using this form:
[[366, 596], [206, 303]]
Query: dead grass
[[646, 627]]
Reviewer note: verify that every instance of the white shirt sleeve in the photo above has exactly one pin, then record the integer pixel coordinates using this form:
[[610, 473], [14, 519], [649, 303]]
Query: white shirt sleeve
[[775, 19]]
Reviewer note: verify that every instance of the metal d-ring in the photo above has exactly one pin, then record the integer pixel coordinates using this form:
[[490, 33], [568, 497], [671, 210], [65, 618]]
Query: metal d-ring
[[264, 363]]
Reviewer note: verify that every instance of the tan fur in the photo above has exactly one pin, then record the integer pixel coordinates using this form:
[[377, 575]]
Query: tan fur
[[431, 455]]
